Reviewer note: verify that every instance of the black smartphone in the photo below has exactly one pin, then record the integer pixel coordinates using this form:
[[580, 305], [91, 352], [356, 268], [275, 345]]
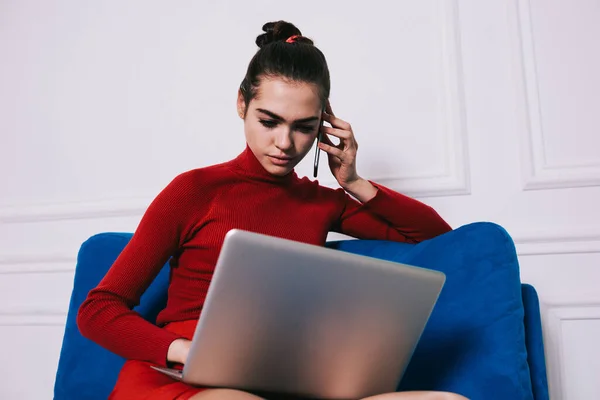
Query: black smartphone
[[318, 150]]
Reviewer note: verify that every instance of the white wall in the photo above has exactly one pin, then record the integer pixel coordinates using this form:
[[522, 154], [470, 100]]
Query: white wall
[[487, 110]]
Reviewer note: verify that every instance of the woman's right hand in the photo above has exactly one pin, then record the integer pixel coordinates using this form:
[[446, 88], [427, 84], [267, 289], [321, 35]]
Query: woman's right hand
[[178, 350]]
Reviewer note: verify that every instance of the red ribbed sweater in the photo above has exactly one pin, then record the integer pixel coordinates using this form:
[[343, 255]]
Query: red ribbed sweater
[[187, 223]]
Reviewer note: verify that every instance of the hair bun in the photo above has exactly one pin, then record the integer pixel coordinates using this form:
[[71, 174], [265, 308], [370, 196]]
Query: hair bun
[[278, 31]]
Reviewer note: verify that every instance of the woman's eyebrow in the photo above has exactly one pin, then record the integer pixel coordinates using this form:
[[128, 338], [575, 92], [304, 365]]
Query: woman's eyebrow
[[278, 118]]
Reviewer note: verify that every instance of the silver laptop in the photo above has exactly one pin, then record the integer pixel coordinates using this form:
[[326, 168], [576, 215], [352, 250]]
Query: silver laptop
[[292, 318]]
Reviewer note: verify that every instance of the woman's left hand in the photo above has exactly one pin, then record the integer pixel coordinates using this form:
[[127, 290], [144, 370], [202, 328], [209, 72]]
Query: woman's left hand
[[342, 158]]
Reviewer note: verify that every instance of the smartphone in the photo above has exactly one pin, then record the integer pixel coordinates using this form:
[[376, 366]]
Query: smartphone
[[318, 150]]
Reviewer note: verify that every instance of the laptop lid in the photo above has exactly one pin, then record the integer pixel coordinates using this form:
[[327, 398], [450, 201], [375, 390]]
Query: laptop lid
[[287, 317]]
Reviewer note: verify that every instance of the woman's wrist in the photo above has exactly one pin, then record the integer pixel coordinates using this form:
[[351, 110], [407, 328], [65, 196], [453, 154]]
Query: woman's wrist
[[361, 189]]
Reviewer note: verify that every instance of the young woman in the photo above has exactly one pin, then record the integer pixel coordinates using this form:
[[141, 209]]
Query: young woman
[[281, 100]]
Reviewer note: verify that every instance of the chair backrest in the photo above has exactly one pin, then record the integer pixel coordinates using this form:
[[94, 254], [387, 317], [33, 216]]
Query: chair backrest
[[475, 343], [86, 370]]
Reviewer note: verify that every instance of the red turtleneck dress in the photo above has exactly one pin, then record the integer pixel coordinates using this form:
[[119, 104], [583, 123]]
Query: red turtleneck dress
[[187, 223]]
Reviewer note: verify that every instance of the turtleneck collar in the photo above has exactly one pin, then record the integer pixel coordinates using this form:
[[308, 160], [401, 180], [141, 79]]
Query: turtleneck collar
[[247, 164]]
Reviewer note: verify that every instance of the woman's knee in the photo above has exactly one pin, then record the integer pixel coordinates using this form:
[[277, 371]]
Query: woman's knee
[[225, 394]]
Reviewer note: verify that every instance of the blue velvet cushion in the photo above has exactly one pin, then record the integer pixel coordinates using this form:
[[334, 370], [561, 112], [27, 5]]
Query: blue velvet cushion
[[474, 342]]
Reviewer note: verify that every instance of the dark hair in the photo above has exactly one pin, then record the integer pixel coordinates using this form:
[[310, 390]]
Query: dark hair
[[297, 59]]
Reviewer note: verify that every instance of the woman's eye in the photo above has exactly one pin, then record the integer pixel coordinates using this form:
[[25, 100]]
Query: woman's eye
[[306, 129], [268, 124]]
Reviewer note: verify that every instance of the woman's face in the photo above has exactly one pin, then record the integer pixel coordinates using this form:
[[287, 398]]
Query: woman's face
[[281, 123]]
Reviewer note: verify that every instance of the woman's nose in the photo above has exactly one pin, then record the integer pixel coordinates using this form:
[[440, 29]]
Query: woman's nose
[[283, 139]]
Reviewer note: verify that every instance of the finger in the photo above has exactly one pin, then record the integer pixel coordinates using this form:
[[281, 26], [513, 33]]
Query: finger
[[327, 140], [347, 141], [334, 151], [342, 143], [336, 122], [339, 133]]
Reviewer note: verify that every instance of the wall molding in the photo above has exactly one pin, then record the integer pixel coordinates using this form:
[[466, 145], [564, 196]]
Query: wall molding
[[553, 317], [538, 173], [37, 264], [454, 179], [33, 318], [66, 211], [579, 243]]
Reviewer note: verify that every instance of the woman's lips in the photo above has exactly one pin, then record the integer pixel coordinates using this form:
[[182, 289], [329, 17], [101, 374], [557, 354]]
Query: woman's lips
[[281, 160]]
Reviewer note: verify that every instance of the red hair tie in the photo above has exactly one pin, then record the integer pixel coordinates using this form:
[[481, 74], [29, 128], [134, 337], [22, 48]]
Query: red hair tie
[[292, 39]]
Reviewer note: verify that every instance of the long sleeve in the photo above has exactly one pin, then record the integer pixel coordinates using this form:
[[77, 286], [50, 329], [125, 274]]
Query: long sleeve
[[106, 316], [389, 216]]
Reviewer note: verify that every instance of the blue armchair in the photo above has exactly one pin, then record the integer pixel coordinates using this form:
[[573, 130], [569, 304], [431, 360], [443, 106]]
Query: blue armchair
[[483, 339]]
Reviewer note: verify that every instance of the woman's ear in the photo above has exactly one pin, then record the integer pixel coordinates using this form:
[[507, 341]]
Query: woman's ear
[[241, 105]]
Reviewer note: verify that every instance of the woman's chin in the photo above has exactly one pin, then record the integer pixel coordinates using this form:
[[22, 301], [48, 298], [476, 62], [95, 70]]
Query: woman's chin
[[278, 170], [278, 167]]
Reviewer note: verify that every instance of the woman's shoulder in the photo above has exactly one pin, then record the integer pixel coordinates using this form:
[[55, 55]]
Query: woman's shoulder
[[203, 175], [199, 179]]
